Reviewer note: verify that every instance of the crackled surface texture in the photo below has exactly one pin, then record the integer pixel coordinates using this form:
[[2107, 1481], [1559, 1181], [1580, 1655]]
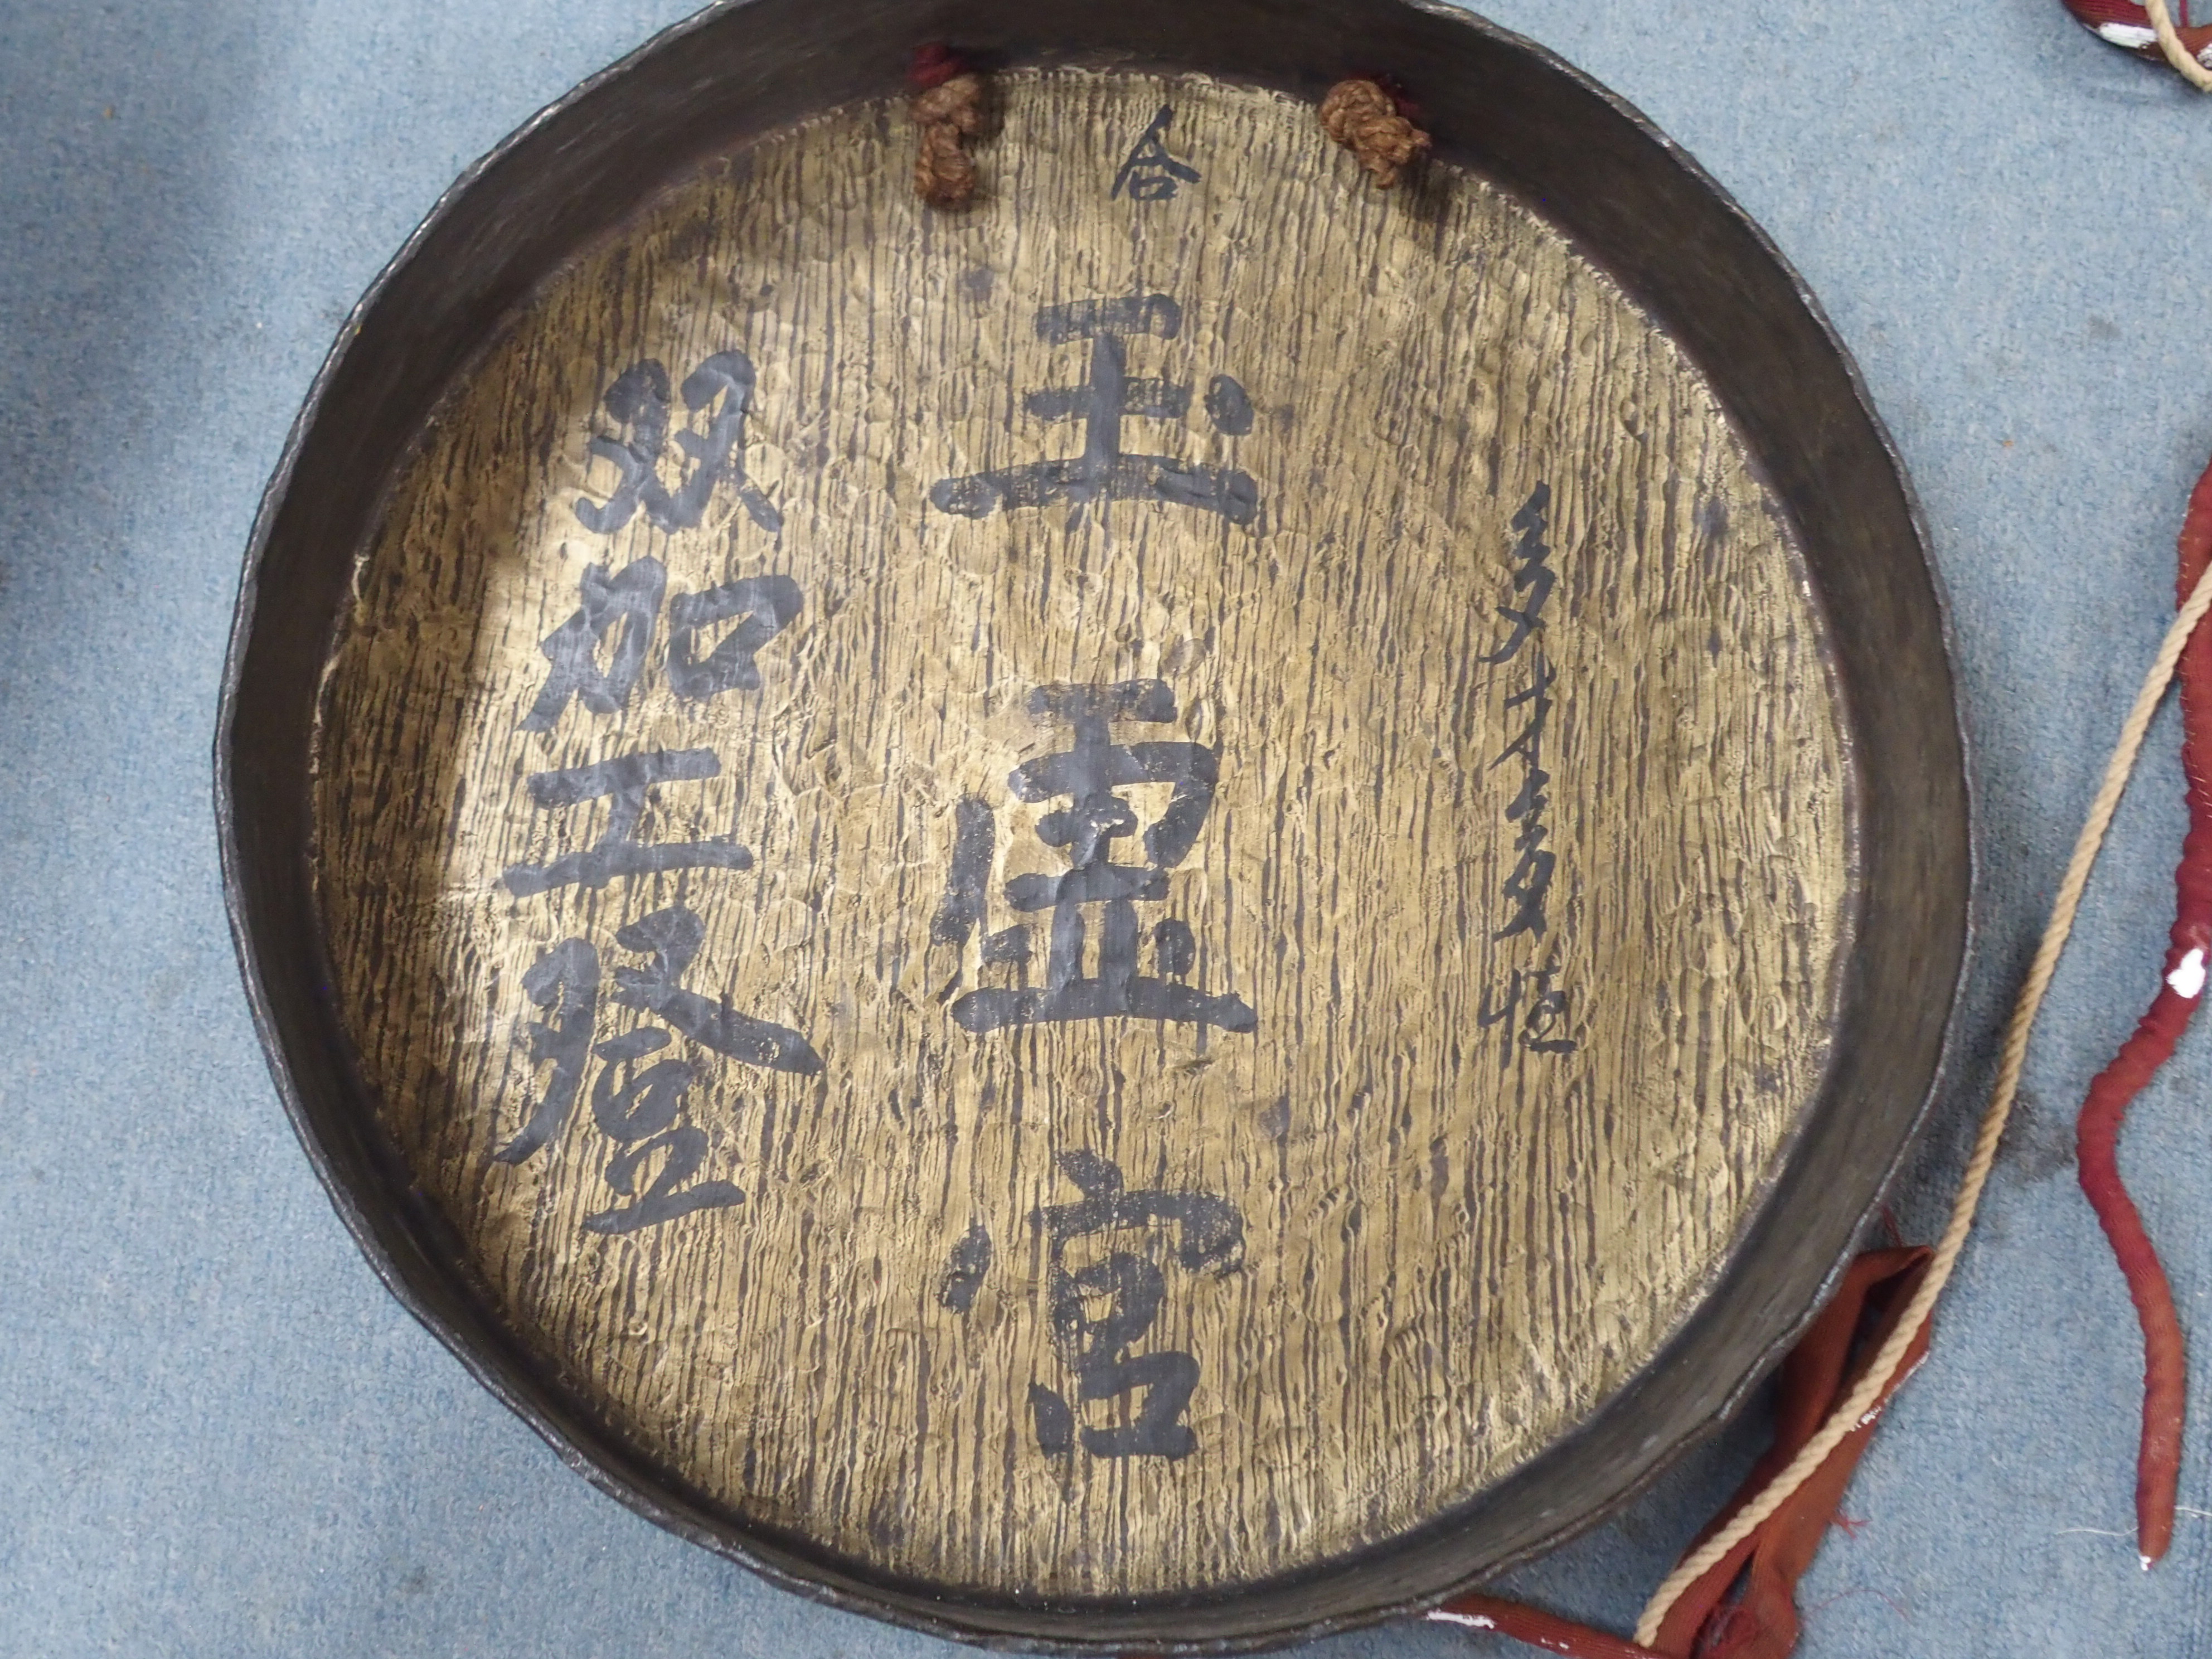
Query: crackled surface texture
[[225, 1437], [1107, 895]]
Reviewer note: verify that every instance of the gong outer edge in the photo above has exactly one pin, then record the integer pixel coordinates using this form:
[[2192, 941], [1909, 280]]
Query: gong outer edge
[[1628, 198]]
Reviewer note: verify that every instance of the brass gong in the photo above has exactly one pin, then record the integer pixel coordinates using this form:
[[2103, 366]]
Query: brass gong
[[1169, 910]]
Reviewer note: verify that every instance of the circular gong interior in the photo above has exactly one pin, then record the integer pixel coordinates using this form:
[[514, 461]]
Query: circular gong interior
[[1111, 895]]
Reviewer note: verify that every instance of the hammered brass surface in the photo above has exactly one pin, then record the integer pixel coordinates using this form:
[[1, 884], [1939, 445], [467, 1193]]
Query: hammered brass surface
[[1478, 1179]]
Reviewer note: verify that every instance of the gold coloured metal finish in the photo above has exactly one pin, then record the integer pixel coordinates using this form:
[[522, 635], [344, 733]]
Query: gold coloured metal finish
[[1434, 669]]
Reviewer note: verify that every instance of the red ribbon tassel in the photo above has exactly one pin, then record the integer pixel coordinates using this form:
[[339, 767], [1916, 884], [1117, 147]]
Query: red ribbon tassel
[[2124, 24], [2158, 1463], [1712, 1621]]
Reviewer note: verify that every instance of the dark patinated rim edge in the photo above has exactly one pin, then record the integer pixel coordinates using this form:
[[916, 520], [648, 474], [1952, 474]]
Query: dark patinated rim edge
[[647, 1503]]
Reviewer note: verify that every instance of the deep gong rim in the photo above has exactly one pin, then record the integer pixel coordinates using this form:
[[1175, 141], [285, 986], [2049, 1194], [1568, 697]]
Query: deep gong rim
[[1628, 200]]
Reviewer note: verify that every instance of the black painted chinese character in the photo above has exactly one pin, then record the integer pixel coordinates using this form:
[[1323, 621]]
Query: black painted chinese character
[[635, 1108], [1103, 471], [1539, 1022], [672, 937], [1529, 883], [623, 782], [564, 981], [630, 602], [1103, 1309], [964, 1274], [721, 388], [633, 1103], [764, 607], [1533, 575], [1095, 889], [627, 607], [1151, 174]]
